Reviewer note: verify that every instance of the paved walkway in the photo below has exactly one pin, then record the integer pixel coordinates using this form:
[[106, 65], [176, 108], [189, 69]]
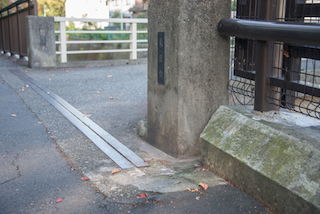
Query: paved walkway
[[39, 148]]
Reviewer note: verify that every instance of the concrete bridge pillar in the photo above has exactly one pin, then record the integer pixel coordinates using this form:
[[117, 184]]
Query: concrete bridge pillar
[[40, 41], [188, 71]]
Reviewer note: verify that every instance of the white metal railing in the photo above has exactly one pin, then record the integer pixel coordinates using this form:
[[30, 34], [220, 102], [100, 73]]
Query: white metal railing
[[63, 42]]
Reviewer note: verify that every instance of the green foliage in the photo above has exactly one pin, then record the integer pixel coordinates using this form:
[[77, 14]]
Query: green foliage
[[95, 36], [141, 15], [5, 3], [51, 7], [234, 5]]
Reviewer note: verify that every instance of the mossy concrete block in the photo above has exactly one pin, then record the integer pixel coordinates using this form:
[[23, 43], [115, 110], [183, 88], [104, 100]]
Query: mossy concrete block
[[266, 159]]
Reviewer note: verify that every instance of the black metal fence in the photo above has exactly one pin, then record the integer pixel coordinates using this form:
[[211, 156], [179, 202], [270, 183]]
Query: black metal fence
[[277, 54], [13, 26]]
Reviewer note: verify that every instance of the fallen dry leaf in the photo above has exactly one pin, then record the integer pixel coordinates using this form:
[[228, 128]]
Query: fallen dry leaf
[[13, 115], [109, 76], [143, 195], [203, 185], [115, 171], [285, 53], [84, 178], [193, 190], [59, 200], [200, 192]]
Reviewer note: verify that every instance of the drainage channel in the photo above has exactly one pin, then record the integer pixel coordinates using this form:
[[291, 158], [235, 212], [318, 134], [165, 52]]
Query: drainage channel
[[119, 153]]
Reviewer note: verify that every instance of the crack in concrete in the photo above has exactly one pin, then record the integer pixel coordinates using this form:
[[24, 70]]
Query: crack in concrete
[[17, 169]]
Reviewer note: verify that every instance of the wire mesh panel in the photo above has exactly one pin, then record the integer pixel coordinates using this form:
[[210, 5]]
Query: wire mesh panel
[[299, 74], [295, 69], [242, 69]]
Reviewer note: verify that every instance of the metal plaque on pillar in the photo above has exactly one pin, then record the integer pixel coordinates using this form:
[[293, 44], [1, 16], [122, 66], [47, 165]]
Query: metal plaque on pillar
[[161, 57]]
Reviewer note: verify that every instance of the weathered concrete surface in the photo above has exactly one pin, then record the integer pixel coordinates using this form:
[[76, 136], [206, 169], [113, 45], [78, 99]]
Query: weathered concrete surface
[[89, 90], [142, 128], [277, 163], [196, 72], [118, 116], [158, 178], [40, 41]]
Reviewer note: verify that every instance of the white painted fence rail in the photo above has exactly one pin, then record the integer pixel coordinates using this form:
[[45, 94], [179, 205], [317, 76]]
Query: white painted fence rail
[[62, 42]]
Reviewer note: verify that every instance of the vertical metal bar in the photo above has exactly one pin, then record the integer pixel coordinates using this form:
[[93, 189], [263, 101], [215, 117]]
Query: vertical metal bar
[[63, 42], [264, 63], [2, 32], [18, 27], [29, 7], [133, 38], [9, 31], [291, 65]]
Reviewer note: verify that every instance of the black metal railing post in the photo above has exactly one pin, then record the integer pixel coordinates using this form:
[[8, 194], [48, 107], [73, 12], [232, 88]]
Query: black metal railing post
[[18, 27], [29, 8], [9, 31], [291, 65], [2, 32], [264, 63]]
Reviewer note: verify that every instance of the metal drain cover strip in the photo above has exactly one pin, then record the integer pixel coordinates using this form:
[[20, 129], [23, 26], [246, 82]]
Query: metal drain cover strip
[[87, 126]]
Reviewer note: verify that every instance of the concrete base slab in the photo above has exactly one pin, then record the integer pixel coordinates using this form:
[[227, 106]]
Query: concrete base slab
[[275, 159], [160, 177]]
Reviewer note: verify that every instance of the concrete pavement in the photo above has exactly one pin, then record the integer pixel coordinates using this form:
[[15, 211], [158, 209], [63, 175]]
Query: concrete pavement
[[39, 147], [34, 174]]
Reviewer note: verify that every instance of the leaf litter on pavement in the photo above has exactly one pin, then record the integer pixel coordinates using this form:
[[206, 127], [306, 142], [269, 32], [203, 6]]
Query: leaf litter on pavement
[[84, 178], [59, 200], [203, 185], [115, 171]]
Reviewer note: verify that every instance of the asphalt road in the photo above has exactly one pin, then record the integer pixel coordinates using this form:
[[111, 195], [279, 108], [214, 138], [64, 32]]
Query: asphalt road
[[39, 147]]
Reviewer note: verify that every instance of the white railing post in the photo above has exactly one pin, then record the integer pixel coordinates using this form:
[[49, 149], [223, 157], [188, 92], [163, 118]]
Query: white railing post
[[133, 38], [63, 42]]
